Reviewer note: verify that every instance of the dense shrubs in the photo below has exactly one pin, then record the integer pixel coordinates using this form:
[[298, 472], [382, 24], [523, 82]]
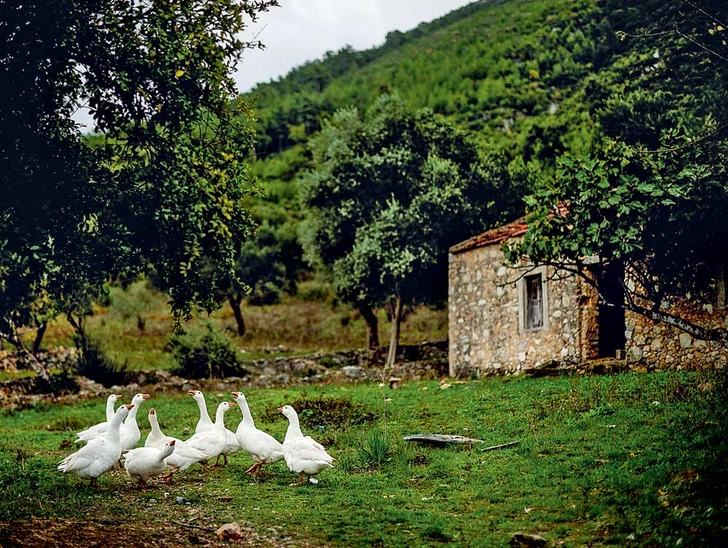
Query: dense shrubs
[[205, 353], [96, 365]]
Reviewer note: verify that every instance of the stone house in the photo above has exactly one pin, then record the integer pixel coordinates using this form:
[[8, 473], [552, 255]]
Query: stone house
[[506, 320]]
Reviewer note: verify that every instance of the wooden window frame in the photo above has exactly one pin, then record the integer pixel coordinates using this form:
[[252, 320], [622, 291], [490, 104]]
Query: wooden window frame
[[523, 300]]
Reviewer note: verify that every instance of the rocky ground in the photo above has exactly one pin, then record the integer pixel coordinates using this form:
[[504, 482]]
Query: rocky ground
[[66, 533], [427, 360]]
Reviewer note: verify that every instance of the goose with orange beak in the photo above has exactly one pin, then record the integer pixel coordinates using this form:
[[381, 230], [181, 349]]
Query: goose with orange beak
[[303, 454], [99, 454]]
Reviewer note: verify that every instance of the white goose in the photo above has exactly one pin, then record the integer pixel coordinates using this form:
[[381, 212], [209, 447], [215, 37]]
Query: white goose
[[129, 432], [303, 454], [232, 446], [212, 442], [204, 424], [260, 445], [98, 429], [143, 463], [99, 454], [183, 456]]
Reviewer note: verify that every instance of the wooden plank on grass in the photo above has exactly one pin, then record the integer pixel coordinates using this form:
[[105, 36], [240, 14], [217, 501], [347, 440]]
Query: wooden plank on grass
[[441, 439]]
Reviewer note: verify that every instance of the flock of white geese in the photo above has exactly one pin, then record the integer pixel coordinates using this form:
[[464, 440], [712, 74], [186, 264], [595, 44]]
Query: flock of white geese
[[164, 455]]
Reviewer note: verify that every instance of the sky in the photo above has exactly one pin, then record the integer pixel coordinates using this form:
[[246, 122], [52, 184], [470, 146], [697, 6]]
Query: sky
[[304, 30]]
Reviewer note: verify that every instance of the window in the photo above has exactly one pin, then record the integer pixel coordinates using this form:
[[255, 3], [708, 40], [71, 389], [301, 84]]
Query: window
[[533, 302]]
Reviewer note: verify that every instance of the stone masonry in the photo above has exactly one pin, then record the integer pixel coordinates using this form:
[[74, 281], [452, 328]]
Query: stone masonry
[[486, 334]]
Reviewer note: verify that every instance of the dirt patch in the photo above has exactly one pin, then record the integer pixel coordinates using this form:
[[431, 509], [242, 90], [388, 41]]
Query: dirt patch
[[111, 533]]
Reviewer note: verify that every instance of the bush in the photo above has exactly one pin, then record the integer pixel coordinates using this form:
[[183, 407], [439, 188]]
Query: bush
[[94, 364], [314, 291], [325, 412], [133, 302], [265, 294], [205, 353], [59, 383]]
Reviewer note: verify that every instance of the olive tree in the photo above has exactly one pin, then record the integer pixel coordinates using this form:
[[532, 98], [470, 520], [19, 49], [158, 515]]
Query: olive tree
[[389, 193]]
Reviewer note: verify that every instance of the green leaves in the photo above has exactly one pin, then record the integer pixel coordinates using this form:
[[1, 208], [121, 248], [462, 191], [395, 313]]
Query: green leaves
[[162, 189]]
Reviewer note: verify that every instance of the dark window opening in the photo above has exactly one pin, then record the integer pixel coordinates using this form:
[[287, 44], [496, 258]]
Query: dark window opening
[[534, 301], [611, 314]]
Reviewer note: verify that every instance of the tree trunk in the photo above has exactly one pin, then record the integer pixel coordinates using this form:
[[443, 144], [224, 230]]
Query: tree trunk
[[372, 325], [39, 338], [394, 337], [80, 329], [14, 338], [235, 301]]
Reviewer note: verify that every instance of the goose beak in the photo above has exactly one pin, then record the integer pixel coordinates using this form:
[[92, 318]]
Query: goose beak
[[191, 392], [280, 410], [152, 411], [146, 396], [232, 404], [235, 394], [172, 442], [129, 406]]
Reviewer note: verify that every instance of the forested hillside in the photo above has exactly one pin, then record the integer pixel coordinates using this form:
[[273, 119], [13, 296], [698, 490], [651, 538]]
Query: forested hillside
[[531, 79], [510, 74], [509, 71]]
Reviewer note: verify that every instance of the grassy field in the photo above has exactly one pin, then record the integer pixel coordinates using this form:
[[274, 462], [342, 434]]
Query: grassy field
[[297, 325], [624, 460]]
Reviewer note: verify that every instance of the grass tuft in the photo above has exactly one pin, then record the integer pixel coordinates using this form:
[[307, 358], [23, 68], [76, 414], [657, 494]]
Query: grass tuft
[[376, 450], [321, 413]]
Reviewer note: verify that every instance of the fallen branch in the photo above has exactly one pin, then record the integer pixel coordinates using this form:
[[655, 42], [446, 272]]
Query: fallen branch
[[502, 446], [441, 439]]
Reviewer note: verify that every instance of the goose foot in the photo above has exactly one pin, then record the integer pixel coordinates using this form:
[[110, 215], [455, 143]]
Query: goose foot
[[299, 482], [253, 470]]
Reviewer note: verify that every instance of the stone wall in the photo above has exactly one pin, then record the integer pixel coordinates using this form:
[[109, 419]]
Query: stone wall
[[660, 346], [485, 331]]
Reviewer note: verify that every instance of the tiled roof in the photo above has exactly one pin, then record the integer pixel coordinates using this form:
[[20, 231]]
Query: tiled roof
[[501, 233], [492, 236]]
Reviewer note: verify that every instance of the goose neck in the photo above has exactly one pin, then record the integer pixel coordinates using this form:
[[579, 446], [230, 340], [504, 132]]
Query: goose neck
[[247, 416], [154, 423], [204, 413], [294, 428], [219, 423]]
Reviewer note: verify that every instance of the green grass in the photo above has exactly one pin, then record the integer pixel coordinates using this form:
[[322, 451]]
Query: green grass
[[625, 460]]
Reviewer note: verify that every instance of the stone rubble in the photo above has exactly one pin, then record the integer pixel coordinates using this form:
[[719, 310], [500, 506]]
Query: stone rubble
[[416, 362]]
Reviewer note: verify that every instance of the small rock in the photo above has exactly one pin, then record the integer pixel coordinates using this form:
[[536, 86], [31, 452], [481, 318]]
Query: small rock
[[354, 371], [229, 531], [180, 500]]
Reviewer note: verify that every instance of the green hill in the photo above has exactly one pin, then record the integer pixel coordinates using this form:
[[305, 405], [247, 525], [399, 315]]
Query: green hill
[[524, 76], [512, 72]]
